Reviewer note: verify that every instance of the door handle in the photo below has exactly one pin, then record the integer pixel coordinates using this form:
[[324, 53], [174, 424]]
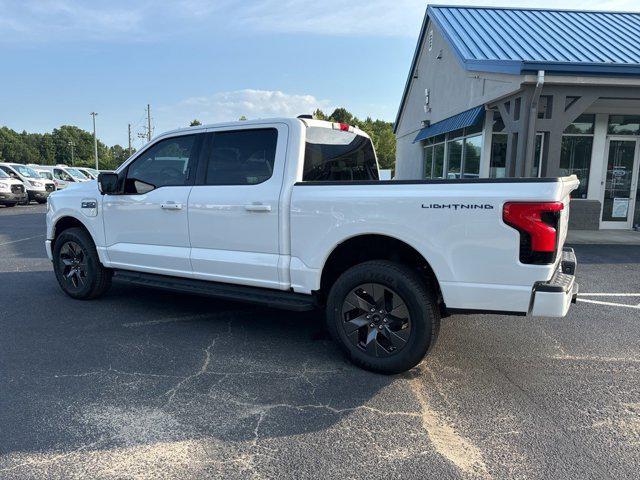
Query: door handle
[[257, 207], [171, 206]]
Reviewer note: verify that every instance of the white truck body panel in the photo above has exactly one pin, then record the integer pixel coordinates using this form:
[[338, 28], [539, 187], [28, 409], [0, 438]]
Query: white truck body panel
[[278, 234]]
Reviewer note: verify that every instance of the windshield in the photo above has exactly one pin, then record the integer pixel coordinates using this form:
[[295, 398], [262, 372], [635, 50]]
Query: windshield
[[90, 172], [334, 155], [46, 175], [76, 173], [25, 171]]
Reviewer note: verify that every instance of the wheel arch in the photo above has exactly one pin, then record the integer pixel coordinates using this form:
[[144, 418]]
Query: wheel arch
[[66, 222], [374, 246]]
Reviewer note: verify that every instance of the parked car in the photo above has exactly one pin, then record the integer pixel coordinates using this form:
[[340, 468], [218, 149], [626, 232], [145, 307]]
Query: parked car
[[90, 173], [38, 188], [290, 213], [47, 175], [65, 175], [12, 191]]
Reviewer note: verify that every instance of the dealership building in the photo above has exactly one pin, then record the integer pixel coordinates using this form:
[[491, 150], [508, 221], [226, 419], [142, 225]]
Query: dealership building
[[505, 92]]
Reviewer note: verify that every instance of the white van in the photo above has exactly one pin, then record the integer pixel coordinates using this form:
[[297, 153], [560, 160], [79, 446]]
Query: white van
[[65, 174], [48, 175], [12, 191], [91, 173], [37, 187]]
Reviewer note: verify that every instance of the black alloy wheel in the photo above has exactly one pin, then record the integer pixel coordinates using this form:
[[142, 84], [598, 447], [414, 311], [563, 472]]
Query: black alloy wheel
[[73, 265], [77, 266], [376, 320], [384, 315]]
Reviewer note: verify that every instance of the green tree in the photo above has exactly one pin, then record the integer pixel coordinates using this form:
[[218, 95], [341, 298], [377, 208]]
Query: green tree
[[342, 115], [52, 148], [195, 122], [118, 155], [319, 114]]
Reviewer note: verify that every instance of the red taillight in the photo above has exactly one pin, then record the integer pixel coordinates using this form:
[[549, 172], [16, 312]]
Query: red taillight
[[344, 127], [537, 220]]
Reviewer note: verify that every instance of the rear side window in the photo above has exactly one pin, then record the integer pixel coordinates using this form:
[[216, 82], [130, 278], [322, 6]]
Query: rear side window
[[334, 155], [241, 157]]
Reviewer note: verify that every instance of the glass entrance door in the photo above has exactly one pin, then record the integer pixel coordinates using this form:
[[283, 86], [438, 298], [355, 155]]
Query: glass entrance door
[[621, 183]]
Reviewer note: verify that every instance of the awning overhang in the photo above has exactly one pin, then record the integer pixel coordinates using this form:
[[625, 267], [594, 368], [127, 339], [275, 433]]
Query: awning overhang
[[464, 119]]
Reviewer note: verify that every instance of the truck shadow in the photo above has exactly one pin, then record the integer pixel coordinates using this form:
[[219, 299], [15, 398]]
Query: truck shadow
[[169, 367]]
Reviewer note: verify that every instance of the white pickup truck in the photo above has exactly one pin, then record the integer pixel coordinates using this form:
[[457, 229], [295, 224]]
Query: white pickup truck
[[290, 213]]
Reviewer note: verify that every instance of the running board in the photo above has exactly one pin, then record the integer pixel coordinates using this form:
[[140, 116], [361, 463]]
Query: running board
[[241, 293]]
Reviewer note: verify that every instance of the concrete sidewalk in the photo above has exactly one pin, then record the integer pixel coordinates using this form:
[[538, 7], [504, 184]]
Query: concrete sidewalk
[[603, 237]]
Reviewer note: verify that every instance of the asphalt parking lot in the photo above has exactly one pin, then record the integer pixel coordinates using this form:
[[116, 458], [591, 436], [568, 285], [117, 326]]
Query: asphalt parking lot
[[143, 383]]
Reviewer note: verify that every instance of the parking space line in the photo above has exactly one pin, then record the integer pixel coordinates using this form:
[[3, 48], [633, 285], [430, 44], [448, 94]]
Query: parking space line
[[611, 304], [21, 240], [609, 294]]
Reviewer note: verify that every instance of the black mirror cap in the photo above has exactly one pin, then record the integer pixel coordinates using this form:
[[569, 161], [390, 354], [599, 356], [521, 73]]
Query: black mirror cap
[[108, 183]]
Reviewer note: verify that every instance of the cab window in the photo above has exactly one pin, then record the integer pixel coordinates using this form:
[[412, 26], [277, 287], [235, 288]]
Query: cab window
[[334, 155], [241, 157], [165, 164]]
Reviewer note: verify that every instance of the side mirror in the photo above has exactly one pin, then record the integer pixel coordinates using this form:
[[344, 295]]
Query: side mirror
[[108, 183]]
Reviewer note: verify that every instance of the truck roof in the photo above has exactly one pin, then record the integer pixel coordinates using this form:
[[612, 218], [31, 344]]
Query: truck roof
[[260, 121]]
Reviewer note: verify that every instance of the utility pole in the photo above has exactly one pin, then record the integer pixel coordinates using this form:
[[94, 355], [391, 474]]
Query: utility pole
[[129, 139], [95, 139], [148, 122], [71, 144]]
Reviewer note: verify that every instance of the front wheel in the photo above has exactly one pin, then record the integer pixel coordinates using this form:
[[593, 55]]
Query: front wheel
[[77, 266], [383, 315], [13, 204]]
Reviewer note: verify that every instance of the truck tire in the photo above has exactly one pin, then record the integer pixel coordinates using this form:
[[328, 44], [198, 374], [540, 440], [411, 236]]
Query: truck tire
[[383, 315], [77, 266]]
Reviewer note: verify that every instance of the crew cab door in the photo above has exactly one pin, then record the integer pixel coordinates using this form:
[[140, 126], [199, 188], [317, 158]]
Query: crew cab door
[[146, 226], [234, 206]]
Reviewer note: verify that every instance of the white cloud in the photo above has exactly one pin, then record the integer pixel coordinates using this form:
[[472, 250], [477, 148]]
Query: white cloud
[[150, 20], [398, 18], [230, 106], [65, 19]]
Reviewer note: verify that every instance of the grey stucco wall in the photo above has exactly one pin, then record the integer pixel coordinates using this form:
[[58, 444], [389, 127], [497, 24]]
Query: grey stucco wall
[[452, 90]]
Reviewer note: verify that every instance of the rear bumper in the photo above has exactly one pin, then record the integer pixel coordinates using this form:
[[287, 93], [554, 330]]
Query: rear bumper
[[554, 297]]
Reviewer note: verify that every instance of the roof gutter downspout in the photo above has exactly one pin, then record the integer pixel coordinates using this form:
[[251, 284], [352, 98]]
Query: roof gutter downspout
[[531, 132]]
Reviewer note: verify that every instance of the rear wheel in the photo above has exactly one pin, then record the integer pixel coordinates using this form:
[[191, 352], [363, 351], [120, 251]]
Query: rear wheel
[[77, 266], [41, 201], [383, 315], [10, 204]]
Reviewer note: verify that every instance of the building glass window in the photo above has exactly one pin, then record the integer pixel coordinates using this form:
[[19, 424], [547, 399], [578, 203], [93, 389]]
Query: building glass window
[[498, 161], [472, 153], [454, 158], [428, 161], [575, 158], [454, 155], [583, 125], [624, 125], [438, 160]]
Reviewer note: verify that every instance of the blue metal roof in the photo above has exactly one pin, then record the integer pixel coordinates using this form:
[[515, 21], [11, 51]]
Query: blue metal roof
[[517, 40], [520, 40], [461, 120]]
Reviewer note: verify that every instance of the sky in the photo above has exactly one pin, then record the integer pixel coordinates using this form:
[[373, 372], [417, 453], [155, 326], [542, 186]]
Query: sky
[[212, 60]]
